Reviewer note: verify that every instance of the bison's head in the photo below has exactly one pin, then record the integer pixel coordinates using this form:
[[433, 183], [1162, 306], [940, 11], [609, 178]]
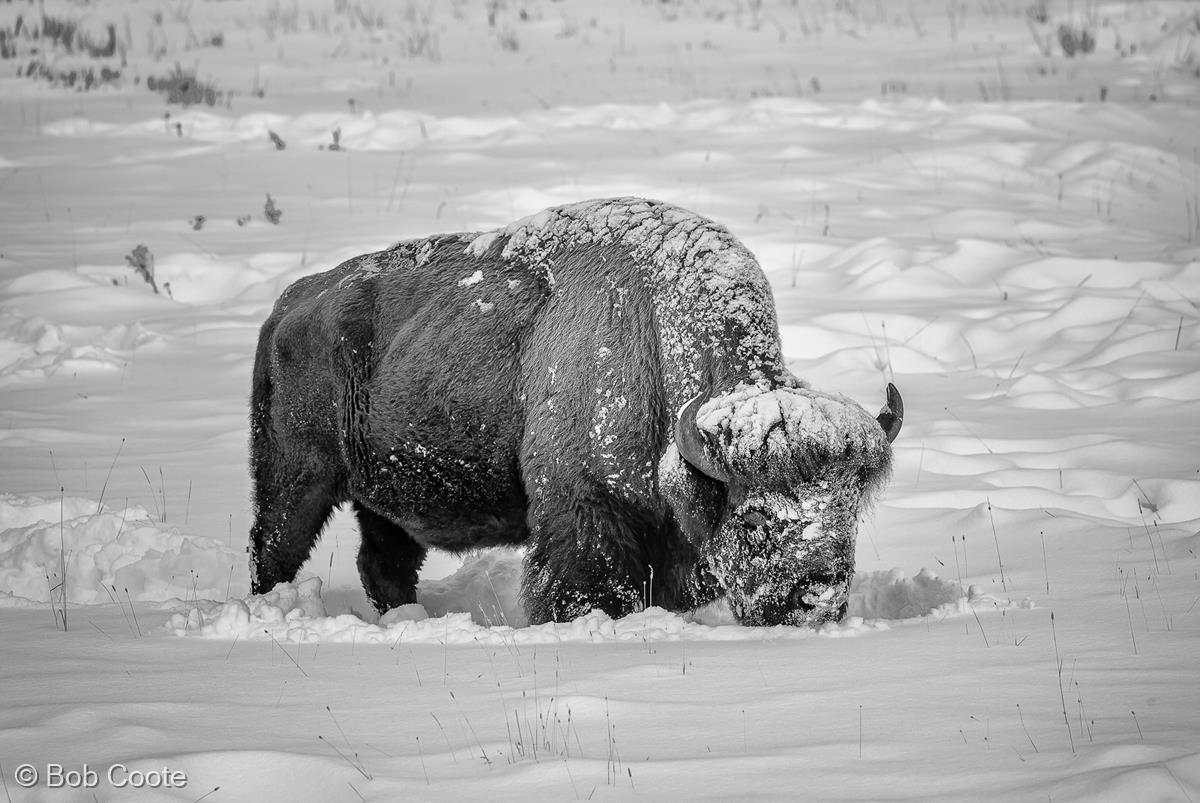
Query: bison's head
[[797, 467]]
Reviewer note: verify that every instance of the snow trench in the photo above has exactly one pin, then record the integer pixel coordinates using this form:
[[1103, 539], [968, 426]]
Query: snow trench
[[125, 556], [295, 612]]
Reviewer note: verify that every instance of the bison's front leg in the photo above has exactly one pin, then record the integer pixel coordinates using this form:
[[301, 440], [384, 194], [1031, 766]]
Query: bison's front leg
[[583, 554]]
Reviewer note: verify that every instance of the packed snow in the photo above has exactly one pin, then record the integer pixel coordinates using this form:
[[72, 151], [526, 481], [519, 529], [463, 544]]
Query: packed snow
[[994, 205]]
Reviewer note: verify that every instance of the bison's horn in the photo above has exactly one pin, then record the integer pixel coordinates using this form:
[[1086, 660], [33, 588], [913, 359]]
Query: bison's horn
[[891, 417], [690, 443]]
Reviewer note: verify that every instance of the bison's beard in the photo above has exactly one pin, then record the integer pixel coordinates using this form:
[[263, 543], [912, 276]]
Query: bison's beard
[[795, 570]]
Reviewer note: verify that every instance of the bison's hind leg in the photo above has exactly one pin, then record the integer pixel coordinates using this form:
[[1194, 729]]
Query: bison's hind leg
[[290, 515], [388, 561]]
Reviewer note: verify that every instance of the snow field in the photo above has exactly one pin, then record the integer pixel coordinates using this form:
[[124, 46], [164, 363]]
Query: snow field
[[953, 210]]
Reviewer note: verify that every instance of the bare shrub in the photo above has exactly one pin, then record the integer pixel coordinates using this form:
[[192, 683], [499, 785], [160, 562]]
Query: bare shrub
[[182, 87], [142, 262]]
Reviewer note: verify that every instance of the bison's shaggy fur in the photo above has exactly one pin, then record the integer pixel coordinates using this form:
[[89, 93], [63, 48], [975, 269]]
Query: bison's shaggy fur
[[522, 386]]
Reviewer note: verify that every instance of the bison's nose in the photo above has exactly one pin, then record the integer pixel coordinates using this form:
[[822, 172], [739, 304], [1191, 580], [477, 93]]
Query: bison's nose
[[815, 591]]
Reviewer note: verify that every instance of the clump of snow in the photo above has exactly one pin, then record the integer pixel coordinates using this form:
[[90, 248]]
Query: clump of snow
[[107, 549], [479, 246], [474, 278], [285, 603], [413, 612]]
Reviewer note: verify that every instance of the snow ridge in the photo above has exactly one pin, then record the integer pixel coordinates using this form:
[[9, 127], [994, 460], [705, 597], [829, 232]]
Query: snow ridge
[[110, 553]]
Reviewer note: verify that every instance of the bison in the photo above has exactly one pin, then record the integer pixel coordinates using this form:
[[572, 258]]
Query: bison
[[600, 383]]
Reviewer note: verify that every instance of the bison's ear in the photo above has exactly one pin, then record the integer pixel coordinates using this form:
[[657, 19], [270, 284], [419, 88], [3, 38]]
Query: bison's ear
[[891, 417]]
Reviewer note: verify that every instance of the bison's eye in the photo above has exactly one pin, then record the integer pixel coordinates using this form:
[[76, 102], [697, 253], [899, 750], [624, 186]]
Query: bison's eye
[[755, 519]]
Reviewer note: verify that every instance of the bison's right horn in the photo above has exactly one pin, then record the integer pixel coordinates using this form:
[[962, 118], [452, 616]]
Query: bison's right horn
[[690, 443], [891, 417]]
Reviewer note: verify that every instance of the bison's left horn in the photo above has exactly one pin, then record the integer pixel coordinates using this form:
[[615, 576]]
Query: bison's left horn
[[891, 417], [690, 443]]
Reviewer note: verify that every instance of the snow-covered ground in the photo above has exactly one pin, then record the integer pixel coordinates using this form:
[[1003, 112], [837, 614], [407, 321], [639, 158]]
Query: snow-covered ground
[[941, 197]]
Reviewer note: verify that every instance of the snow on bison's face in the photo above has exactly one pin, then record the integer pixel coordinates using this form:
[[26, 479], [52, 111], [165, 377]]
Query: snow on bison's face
[[788, 557], [798, 467]]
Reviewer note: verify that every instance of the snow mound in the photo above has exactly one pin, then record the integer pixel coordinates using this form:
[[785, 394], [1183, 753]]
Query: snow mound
[[109, 552], [287, 602], [487, 585], [892, 595], [295, 612], [1133, 772], [36, 348]]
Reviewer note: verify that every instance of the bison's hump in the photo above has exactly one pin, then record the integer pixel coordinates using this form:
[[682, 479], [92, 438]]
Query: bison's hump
[[709, 293], [656, 232]]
